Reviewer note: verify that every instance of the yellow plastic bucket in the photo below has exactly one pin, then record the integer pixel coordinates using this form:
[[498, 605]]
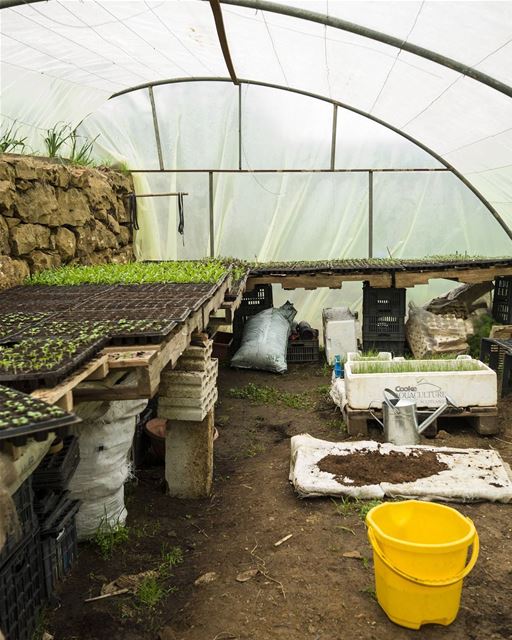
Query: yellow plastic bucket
[[420, 551]]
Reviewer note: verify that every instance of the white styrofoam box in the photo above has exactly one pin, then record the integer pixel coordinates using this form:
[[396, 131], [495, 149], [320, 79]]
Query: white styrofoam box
[[428, 389], [339, 332], [354, 356]]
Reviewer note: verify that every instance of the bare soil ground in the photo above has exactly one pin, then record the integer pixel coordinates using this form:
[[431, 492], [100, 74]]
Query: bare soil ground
[[305, 588]]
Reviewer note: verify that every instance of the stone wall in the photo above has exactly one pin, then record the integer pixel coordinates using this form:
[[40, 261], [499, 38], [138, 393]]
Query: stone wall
[[53, 214]]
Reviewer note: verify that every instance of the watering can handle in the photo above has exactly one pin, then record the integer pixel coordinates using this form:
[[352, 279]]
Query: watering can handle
[[428, 583], [395, 399]]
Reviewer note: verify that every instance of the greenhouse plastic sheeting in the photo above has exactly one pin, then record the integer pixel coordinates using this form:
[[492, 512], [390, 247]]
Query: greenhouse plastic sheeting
[[74, 55]]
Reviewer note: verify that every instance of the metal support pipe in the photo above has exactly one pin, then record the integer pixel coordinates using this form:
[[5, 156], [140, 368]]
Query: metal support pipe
[[370, 214], [223, 40], [344, 105], [6, 4], [333, 138], [156, 128], [240, 126], [372, 34], [212, 229], [408, 170], [159, 195]]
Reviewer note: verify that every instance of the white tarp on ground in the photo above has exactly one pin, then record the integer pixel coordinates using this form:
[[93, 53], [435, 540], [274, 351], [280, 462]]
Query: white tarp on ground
[[473, 474]]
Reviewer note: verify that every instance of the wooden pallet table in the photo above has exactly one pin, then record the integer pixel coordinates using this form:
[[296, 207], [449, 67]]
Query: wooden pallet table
[[484, 420]]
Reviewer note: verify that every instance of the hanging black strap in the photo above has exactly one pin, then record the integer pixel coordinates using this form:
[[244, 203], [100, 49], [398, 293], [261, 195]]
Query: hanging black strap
[[132, 211], [181, 214]]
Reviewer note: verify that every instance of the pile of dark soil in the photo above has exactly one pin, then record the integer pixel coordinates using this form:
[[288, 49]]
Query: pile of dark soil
[[371, 467]]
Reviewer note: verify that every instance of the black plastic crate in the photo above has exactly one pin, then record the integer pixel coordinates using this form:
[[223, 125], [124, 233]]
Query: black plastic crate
[[383, 326], [303, 351], [22, 590], [141, 439], [259, 299], [55, 469], [23, 501], [59, 543], [492, 352], [502, 300], [396, 347], [377, 301], [506, 381]]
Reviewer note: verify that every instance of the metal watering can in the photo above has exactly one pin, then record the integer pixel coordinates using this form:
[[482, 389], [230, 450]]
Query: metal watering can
[[400, 418]]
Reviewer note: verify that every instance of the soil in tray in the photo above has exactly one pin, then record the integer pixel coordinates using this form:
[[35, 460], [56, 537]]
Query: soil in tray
[[372, 467]]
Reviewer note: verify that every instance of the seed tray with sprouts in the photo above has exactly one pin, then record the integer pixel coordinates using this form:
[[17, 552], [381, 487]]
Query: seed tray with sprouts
[[22, 416]]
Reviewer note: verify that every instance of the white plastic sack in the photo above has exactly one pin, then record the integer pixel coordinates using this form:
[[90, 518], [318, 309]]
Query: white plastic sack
[[105, 438], [265, 340]]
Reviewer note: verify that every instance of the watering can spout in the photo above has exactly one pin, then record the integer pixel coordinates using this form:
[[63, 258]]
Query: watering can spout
[[426, 423]]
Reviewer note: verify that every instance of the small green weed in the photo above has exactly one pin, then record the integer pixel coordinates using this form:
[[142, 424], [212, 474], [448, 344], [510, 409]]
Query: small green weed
[[150, 592], [370, 591], [170, 558], [260, 394], [10, 139], [347, 506], [366, 562], [109, 537], [337, 424]]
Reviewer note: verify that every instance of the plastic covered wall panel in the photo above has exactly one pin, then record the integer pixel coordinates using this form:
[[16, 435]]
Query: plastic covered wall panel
[[362, 143], [158, 238], [291, 216], [282, 130], [198, 125], [125, 131], [421, 214]]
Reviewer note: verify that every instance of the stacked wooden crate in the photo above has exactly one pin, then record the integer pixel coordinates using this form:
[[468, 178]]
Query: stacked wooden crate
[[189, 391]]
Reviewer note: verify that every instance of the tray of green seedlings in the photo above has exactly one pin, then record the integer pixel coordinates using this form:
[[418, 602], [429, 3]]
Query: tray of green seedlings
[[211, 271], [127, 328], [17, 321], [55, 327], [36, 362], [23, 416]]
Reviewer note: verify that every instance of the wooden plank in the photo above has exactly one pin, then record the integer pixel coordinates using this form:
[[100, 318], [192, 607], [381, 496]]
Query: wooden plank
[[469, 276], [131, 359], [319, 280], [53, 394]]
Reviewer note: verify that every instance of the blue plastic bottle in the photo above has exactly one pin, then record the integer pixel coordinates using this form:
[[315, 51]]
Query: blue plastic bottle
[[338, 367]]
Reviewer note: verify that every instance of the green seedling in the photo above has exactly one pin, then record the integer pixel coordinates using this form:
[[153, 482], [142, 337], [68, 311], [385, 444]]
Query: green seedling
[[413, 366], [109, 537], [10, 139], [150, 592], [348, 506]]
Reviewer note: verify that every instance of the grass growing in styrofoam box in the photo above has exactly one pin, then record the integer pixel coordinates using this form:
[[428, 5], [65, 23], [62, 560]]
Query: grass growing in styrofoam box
[[189, 271], [413, 366]]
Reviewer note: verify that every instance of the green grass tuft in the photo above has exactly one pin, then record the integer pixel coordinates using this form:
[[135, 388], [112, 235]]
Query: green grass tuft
[[260, 394], [109, 537]]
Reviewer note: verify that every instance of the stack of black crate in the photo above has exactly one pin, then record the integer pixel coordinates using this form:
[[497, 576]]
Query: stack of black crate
[[22, 589], [384, 320]]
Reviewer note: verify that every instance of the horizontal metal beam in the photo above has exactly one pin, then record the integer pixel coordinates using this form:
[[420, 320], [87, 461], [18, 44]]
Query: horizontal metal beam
[[372, 34], [344, 105], [437, 169], [159, 195]]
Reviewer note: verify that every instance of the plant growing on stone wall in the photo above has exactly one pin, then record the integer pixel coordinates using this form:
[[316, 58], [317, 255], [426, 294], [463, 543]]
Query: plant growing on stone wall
[[56, 137], [10, 139], [81, 148]]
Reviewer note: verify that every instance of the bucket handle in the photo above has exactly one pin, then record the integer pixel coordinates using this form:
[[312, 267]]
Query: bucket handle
[[427, 583]]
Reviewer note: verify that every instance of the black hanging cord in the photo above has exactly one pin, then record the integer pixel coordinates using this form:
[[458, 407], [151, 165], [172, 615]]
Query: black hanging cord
[[181, 215], [132, 210]]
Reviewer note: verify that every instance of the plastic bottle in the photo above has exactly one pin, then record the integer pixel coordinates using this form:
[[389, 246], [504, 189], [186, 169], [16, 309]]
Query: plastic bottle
[[338, 367]]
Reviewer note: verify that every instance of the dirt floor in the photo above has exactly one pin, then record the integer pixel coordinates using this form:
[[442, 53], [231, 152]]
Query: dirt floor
[[303, 589]]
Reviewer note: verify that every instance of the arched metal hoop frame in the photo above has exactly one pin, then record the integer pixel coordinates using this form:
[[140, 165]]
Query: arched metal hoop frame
[[446, 166]]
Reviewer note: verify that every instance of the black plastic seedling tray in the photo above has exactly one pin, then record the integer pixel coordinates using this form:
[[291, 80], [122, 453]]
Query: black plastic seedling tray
[[50, 418], [31, 380], [12, 323]]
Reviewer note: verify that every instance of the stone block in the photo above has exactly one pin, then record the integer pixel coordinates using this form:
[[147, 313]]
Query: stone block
[[4, 237], [113, 224], [37, 205], [27, 237], [25, 168], [12, 272], [73, 209], [124, 236], [7, 194], [40, 260], [65, 243], [189, 458]]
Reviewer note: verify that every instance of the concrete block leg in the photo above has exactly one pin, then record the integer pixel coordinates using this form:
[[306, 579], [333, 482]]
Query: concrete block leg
[[189, 457]]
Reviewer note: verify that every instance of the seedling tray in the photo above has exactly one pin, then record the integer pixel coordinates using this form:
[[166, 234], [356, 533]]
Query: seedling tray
[[29, 380], [35, 416], [15, 322], [56, 469]]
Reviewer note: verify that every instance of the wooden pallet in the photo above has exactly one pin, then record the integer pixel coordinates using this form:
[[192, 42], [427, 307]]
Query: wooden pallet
[[484, 420]]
